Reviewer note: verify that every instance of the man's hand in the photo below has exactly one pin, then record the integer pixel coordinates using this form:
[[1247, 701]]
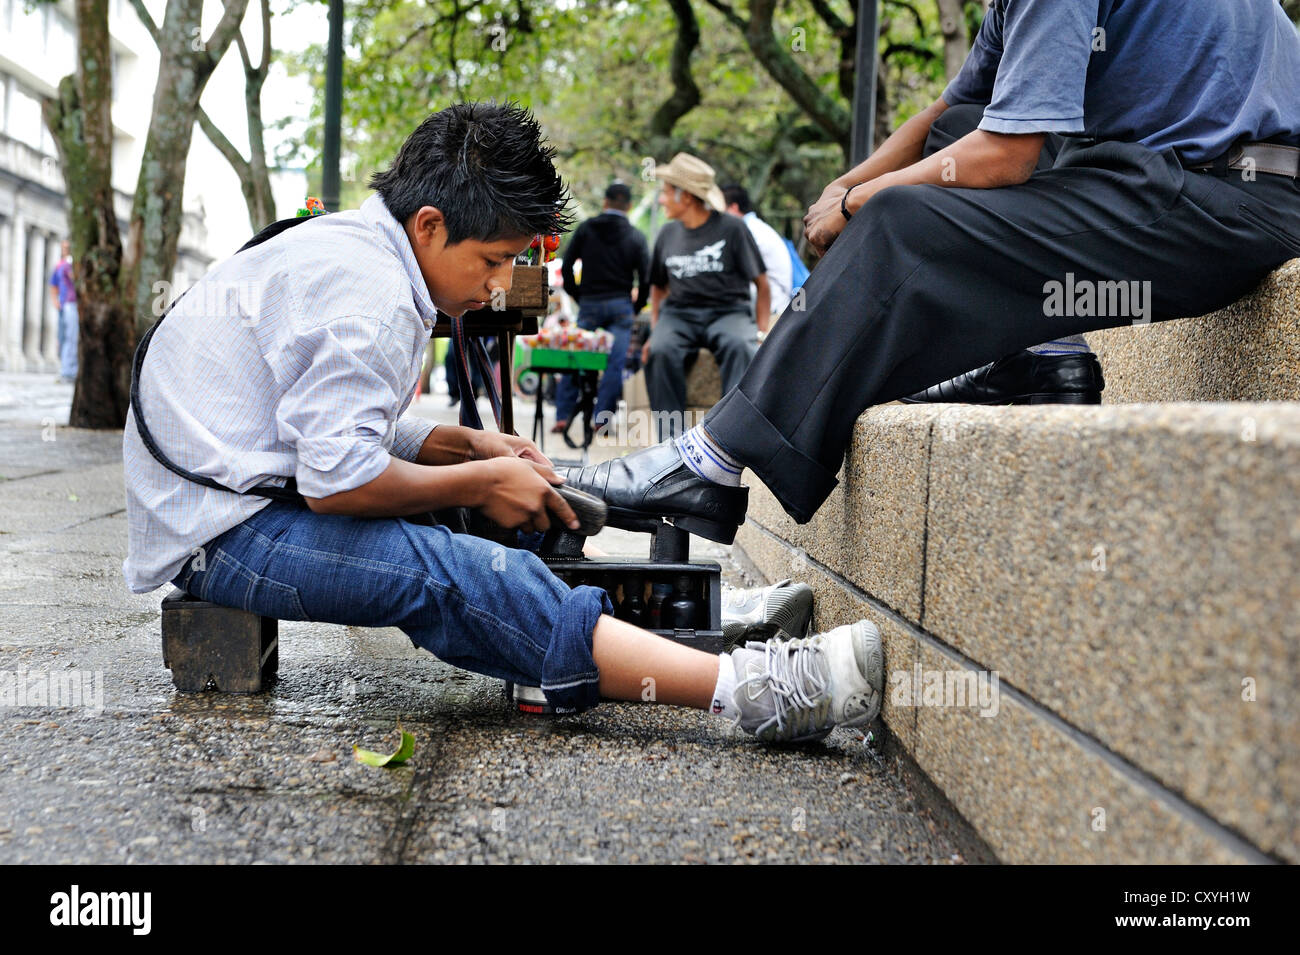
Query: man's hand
[[645, 352], [824, 221], [492, 444], [519, 494]]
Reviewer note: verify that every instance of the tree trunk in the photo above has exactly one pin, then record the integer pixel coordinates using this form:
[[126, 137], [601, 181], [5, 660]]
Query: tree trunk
[[254, 174], [81, 124], [686, 95], [952, 23], [261, 204], [257, 194], [156, 213], [114, 287]]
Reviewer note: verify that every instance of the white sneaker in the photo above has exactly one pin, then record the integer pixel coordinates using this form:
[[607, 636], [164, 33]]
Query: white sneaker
[[798, 690], [785, 604]]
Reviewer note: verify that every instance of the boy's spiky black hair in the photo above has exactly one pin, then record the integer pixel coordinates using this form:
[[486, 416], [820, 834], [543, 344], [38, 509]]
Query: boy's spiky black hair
[[485, 166]]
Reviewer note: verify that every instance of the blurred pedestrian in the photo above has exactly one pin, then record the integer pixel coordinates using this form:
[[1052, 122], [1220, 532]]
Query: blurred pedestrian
[[776, 256], [63, 293], [614, 255], [703, 265]]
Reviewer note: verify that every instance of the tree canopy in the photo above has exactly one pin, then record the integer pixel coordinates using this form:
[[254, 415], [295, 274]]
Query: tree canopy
[[762, 90]]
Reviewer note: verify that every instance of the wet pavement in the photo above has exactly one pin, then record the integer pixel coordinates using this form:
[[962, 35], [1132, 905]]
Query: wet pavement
[[159, 776]]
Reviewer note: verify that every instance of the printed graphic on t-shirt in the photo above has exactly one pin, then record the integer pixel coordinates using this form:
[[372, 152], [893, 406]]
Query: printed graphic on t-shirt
[[706, 259], [711, 266]]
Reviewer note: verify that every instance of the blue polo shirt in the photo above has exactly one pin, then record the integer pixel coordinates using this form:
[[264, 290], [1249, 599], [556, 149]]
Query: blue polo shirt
[[1190, 75]]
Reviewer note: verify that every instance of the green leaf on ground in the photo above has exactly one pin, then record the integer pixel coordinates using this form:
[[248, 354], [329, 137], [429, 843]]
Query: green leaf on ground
[[392, 759]]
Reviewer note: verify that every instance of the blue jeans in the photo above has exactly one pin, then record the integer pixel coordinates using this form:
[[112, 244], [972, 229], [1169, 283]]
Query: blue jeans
[[618, 316], [472, 603], [68, 321]]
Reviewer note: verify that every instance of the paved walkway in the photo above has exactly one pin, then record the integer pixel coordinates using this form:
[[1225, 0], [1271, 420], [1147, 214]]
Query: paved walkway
[[158, 776]]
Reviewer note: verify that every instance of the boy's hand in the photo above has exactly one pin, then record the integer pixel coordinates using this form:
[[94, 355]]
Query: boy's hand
[[492, 444], [454, 444], [519, 494]]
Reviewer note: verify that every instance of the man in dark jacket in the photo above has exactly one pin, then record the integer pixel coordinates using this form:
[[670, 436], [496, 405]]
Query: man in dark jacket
[[612, 253]]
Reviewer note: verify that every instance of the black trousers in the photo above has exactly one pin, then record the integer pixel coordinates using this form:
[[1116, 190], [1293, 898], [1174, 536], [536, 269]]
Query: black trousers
[[926, 282]]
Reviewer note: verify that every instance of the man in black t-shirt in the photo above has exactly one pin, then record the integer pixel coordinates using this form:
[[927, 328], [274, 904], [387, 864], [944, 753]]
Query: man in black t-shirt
[[700, 272]]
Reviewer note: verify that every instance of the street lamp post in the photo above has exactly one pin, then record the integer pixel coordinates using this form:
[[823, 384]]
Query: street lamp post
[[864, 83], [329, 183]]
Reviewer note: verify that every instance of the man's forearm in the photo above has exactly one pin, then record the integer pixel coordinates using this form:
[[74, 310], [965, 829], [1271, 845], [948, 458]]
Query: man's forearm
[[903, 148], [657, 294], [405, 488], [763, 304], [979, 160]]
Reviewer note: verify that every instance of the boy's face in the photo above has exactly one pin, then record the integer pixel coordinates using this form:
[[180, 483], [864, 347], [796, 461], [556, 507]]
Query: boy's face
[[464, 276]]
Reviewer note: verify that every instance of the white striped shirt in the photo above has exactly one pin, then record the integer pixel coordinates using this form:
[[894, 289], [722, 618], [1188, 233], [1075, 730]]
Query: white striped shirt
[[294, 358]]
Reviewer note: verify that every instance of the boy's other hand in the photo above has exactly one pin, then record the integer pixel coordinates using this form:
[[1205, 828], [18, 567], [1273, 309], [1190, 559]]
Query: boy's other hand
[[492, 444], [519, 494]]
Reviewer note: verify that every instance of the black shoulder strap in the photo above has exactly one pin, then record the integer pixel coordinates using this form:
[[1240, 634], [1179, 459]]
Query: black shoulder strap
[[289, 492], [274, 229]]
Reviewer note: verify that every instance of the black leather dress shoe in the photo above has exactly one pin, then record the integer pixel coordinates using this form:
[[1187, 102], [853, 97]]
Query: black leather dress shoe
[[645, 488], [1023, 379]]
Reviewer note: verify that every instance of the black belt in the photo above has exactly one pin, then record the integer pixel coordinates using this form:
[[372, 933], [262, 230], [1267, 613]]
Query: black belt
[[1272, 158]]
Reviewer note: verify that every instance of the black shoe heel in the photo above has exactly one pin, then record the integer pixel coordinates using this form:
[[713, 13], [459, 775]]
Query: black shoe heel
[[709, 530], [1074, 398]]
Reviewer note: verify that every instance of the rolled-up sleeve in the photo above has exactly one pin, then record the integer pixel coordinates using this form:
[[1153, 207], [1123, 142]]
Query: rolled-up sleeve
[[410, 437], [338, 414]]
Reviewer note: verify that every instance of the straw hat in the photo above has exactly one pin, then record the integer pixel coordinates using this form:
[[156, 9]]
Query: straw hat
[[694, 176]]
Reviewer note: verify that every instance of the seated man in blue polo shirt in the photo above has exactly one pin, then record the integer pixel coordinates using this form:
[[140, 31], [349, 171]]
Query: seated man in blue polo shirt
[[1170, 190]]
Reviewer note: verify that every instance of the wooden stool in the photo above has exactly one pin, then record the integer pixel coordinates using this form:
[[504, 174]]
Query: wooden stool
[[207, 646]]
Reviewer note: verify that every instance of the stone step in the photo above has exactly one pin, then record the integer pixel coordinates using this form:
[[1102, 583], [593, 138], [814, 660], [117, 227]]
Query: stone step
[[1128, 572], [1249, 351]]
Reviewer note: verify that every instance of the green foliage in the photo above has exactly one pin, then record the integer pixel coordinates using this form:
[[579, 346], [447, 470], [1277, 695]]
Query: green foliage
[[595, 71]]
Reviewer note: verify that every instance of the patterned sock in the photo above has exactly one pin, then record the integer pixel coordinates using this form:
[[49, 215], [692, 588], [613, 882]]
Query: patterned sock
[[724, 694], [703, 456], [1070, 345]]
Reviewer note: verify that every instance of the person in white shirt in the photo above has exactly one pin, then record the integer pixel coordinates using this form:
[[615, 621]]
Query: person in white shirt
[[776, 257], [279, 381]]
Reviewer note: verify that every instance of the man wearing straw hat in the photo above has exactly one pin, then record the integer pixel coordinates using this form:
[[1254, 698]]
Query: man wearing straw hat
[[703, 264]]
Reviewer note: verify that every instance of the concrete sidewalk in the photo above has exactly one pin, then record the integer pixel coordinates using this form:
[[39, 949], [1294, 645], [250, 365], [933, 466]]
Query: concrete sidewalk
[[158, 776]]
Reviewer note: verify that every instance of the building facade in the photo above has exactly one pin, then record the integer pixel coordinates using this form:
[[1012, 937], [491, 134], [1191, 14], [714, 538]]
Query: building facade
[[37, 49]]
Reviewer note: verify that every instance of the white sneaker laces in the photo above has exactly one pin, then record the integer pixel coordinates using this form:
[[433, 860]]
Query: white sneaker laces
[[799, 682]]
